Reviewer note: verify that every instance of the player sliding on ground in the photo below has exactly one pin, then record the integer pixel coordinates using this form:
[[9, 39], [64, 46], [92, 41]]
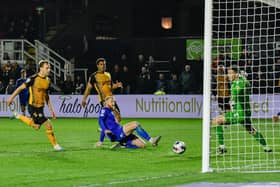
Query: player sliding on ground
[[240, 112], [121, 134], [38, 85]]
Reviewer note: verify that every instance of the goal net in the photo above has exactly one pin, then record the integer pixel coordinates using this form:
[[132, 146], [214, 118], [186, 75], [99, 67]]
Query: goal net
[[244, 36]]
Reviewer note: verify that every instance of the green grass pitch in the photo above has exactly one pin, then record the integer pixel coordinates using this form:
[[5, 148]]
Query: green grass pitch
[[27, 159]]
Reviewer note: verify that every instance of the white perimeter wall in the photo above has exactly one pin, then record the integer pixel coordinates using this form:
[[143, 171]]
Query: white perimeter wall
[[145, 106]]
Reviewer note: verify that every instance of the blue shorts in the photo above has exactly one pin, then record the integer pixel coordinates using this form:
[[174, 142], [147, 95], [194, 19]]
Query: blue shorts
[[120, 136], [23, 100]]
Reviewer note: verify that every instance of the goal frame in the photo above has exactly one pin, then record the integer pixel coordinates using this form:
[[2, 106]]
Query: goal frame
[[207, 75], [207, 86]]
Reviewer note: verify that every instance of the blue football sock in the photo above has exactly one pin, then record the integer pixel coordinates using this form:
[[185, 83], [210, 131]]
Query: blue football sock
[[141, 132]]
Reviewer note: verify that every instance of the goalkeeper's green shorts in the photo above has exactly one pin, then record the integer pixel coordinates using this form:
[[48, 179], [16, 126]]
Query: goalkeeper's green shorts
[[234, 117]]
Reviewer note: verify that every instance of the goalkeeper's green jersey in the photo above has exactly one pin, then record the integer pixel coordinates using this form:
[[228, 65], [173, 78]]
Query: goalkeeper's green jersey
[[240, 98]]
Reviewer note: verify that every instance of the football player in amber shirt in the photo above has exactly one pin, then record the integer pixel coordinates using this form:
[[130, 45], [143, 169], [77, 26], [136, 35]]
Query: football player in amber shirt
[[38, 86], [101, 81]]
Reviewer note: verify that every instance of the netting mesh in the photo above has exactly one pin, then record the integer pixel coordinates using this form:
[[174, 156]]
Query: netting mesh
[[246, 35]]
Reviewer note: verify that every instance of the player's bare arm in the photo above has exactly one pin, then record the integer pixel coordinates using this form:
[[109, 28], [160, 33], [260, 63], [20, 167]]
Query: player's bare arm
[[15, 93], [50, 106]]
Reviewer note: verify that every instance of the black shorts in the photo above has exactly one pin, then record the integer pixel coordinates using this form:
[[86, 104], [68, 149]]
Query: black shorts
[[127, 140], [37, 114], [223, 103]]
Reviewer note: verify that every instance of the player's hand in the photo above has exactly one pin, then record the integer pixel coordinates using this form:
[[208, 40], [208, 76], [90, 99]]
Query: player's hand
[[84, 103], [98, 144], [53, 115], [9, 101]]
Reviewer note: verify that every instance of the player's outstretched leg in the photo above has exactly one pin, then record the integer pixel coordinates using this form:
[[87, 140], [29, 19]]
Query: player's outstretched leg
[[154, 140], [26, 120], [131, 141], [130, 127], [258, 136], [141, 132]]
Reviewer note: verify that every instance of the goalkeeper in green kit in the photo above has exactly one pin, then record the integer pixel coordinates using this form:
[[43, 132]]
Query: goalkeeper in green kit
[[240, 110]]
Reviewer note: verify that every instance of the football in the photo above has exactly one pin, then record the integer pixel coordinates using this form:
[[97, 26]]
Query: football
[[179, 147]]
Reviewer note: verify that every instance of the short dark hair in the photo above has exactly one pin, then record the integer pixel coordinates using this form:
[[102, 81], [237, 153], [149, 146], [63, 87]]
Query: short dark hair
[[42, 62], [99, 60]]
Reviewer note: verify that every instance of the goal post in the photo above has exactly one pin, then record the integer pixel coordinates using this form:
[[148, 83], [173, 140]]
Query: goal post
[[207, 86], [244, 36]]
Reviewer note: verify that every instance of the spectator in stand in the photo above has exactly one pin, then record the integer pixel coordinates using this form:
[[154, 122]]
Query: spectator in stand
[[6, 73], [30, 69], [15, 70], [123, 59], [144, 82], [151, 67], [116, 77], [161, 83], [68, 86], [85, 44], [173, 85], [126, 80], [10, 87], [174, 64], [141, 60], [6, 57], [2, 88], [1, 73], [186, 80], [79, 86]]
